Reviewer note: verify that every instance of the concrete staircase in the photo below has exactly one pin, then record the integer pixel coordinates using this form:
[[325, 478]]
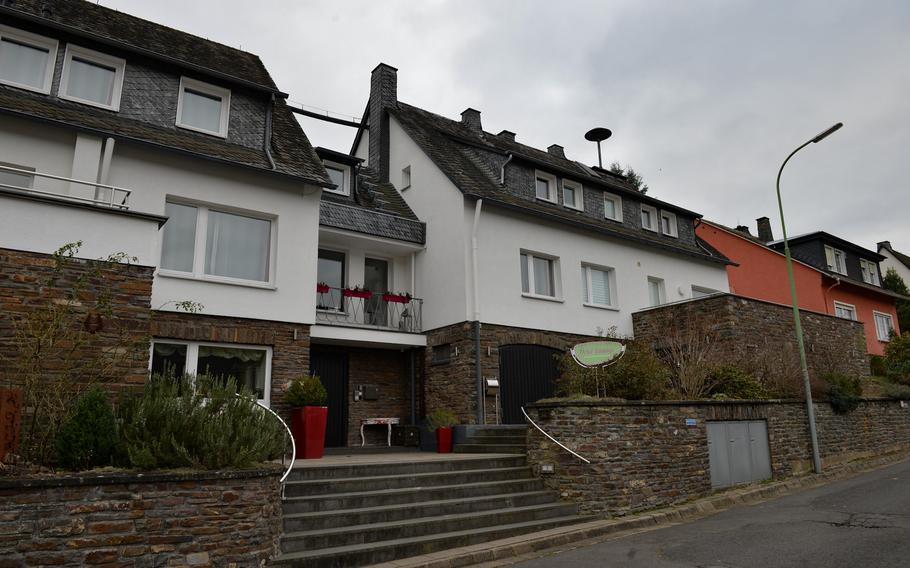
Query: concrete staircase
[[356, 515], [507, 439]]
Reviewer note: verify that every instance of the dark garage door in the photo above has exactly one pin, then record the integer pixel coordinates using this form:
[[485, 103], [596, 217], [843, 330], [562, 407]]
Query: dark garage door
[[527, 373]]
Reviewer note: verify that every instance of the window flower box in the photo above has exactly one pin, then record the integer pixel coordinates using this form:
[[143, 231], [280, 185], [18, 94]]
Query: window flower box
[[357, 293], [397, 298], [322, 288]]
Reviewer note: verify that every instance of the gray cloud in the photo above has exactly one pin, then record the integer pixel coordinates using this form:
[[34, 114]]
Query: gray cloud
[[705, 98]]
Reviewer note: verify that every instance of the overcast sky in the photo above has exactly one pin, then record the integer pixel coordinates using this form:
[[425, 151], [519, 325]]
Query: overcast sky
[[705, 98]]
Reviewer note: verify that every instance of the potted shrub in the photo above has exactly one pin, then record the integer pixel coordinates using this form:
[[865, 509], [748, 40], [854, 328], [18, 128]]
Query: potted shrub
[[307, 397], [441, 421]]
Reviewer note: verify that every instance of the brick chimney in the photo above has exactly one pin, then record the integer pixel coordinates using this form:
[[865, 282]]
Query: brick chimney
[[883, 245], [764, 230], [471, 118], [743, 229], [383, 95], [508, 135], [556, 150]]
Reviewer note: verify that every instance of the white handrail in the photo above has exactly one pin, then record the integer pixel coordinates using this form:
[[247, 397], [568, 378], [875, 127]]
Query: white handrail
[[290, 435], [554, 440], [112, 188]]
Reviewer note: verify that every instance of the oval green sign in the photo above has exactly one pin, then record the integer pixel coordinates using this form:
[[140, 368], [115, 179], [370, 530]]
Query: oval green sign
[[597, 353]]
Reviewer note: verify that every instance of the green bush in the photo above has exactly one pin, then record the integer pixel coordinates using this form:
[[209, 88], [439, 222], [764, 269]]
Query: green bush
[[877, 366], [638, 375], [306, 391], [201, 423], [897, 359], [441, 418], [88, 437], [844, 392], [730, 381], [894, 390]]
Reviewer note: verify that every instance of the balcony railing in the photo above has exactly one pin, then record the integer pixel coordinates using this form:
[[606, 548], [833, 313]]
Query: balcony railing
[[104, 195], [364, 308]]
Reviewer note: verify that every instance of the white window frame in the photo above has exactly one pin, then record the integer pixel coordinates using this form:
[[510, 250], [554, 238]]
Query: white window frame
[[617, 206], [552, 184], [38, 41], [579, 194], [703, 291], [671, 218], [345, 273], [875, 317], [345, 188], [206, 89], [405, 177], [192, 358], [31, 181], [661, 291], [532, 283], [588, 301], [655, 220], [831, 255], [845, 306], [202, 218], [117, 63], [869, 271]]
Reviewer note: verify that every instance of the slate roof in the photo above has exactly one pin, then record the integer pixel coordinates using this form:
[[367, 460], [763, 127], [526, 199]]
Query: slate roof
[[290, 149], [464, 156], [901, 257], [373, 208], [142, 36], [827, 237]]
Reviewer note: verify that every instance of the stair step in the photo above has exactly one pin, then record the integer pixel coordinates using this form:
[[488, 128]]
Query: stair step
[[304, 473], [384, 551], [378, 483], [295, 522], [495, 440], [490, 449], [363, 499], [411, 528]]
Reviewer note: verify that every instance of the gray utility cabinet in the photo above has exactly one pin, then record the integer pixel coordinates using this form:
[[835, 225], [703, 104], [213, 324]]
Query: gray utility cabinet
[[738, 452]]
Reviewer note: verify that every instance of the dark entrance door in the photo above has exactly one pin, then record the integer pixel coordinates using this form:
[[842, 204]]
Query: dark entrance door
[[332, 369], [527, 373]]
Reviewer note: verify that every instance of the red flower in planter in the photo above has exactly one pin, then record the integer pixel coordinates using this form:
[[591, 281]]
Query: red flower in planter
[[398, 298], [322, 288], [357, 293]]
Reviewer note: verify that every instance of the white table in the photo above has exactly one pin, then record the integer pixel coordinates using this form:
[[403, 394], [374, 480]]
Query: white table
[[377, 421]]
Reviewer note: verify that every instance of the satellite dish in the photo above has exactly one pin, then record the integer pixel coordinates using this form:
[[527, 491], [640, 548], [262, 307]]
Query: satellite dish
[[598, 134]]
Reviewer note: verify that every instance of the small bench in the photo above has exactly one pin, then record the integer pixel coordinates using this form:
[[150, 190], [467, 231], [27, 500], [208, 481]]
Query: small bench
[[378, 422]]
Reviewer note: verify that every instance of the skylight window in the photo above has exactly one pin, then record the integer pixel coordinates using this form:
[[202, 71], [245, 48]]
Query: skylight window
[[203, 107]]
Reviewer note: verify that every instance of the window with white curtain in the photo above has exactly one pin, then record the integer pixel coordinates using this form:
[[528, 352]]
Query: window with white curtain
[[340, 175], [573, 195], [92, 78], [203, 107], [249, 365], [27, 60], [869, 271], [538, 275], [844, 310], [836, 260], [612, 207], [884, 326], [648, 218], [656, 292], [207, 243], [597, 286]]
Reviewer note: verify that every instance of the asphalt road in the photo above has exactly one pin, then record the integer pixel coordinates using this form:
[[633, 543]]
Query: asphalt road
[[862, 522]]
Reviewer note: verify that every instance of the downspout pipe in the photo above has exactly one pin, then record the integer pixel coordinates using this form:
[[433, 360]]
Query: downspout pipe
[[478, 207], [502, 171], [267, 144]]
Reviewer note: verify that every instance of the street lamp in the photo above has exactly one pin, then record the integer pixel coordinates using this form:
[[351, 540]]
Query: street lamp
[[796, 323]]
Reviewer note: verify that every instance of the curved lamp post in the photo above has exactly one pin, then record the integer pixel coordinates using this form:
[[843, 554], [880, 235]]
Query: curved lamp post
[[796, 322]]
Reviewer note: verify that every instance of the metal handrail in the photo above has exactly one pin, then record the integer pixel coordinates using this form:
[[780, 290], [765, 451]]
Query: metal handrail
[[290, 435], [554, 440], [123, 204], [343, 306]]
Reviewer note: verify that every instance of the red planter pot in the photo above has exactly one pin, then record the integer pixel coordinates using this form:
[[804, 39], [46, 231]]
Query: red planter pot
[[398, 299], [364, 294], [322, 289], [308, 429], [444, 440]]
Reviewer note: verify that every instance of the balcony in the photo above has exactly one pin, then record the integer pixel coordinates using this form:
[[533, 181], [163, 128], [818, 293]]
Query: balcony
[[63, 188], [370, 310]]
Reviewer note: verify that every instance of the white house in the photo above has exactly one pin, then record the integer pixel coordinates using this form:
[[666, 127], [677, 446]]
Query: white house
[[527, 251], [900, 262]]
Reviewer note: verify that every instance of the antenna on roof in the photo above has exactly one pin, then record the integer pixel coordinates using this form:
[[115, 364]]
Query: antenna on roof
[[598, 135]]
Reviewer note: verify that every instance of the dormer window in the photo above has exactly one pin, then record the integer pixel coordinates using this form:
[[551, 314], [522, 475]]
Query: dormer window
[[573, 195], [612, 207], [340, 176], [836, 259], [26, 60], [545, 187], [92, 78], [668, 224], [203, 107], [870, 272], [648, 218]]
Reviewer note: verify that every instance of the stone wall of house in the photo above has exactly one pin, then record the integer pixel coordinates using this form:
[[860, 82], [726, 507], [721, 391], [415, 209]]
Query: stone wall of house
[[644, 455], [450, 382], [38, 289], [290, 343], [126, 519], [749, 329]]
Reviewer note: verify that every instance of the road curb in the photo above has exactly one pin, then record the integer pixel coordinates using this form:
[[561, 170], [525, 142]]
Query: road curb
[[511, 550]]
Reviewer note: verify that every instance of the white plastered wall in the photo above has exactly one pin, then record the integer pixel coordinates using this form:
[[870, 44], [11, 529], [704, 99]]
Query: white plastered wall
[[891, 262]]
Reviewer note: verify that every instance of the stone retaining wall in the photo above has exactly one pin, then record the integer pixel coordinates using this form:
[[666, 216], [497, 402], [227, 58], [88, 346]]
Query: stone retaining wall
[[128, 519], [644, 455]]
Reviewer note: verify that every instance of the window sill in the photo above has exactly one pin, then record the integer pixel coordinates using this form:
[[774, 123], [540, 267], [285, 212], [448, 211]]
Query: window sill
[[201, 130], [24, 87], [600, 307], [671, 236], [335, 192], [217, 280], [579, 209], [334, 312], [649, 229], [545, 298], [110, 107], [619, 220], [550, 201]]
